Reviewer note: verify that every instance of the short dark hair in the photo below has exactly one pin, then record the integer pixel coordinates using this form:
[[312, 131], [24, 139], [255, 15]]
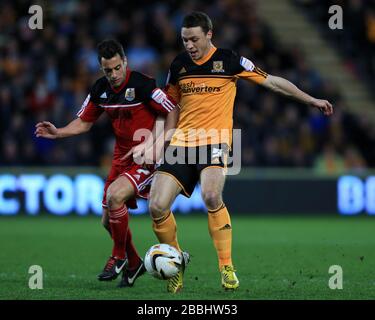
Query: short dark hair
[[197, 19], [109, 48]]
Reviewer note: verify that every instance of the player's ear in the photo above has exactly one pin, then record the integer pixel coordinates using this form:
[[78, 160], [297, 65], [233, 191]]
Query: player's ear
[[125, 61], [209, 35]]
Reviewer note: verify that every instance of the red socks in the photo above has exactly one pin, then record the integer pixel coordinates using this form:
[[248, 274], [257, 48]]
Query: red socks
[[118, 220], [122, 236]]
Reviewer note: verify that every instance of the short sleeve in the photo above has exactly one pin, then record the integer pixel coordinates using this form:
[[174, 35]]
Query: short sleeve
[[90, 110], [156, 98], [171, 84], [244, 68]]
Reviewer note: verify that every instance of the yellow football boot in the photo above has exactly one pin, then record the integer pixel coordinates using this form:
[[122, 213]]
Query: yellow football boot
[[175, 284], [229, 280]]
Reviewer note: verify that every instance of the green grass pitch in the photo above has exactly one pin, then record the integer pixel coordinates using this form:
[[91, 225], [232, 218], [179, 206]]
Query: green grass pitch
[[275, 257]]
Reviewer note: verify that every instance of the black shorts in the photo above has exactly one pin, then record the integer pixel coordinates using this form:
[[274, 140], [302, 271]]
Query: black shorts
[[185, 164]]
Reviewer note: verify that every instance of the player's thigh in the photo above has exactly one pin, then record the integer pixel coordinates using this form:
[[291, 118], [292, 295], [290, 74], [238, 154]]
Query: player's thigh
[[164, 190], [212, 181], [120, 190]]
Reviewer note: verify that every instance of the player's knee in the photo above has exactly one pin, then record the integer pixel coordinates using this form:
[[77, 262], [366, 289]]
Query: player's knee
[[115, 197], [157, 208], [212, 199]]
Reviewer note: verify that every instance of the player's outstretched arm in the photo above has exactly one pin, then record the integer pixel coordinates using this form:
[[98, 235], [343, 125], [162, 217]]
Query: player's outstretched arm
[[288, 89], [48, 130]]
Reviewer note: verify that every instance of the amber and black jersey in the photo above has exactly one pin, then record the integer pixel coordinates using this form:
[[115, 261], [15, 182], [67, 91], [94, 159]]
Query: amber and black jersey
[[205, 90]]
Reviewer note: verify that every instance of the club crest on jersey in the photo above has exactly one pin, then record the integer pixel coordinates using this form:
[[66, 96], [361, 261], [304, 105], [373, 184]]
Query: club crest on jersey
[[217, 66], [183, 70], [130, 94]]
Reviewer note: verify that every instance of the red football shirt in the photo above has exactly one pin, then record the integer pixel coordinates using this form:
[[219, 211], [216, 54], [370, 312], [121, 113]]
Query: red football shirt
[[133, 106]]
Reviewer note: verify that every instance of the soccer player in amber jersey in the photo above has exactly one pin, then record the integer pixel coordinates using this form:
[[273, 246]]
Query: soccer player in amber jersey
[[203, 81], [132, 101]]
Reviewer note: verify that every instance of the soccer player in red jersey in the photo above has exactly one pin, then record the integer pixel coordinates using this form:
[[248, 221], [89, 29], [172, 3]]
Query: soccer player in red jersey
[[132, 101]]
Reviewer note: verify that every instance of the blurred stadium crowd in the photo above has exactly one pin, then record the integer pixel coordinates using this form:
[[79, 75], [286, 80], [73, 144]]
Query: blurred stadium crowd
[[356, 41], [46, 74]]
